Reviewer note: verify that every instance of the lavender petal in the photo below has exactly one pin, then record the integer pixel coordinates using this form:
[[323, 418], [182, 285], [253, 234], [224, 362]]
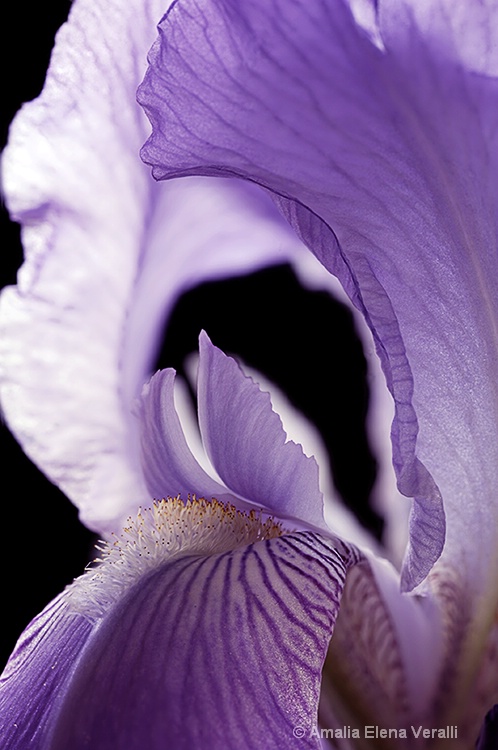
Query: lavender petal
[[378, 137]]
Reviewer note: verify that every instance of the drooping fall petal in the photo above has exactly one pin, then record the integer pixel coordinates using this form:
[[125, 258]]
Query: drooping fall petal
[[236, 636], [186, 610]]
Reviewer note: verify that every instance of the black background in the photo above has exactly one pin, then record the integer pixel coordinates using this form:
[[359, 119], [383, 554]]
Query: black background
[[267, 318], [44, 546]]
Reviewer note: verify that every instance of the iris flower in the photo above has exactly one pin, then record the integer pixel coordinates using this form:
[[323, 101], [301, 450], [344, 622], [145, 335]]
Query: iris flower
[[373, 126]]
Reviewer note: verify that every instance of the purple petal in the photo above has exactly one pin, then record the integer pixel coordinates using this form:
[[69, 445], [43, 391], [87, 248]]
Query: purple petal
[[107, 253], [198, 649], [34, 679], [169, 467], [467, 34], [246, 442], [381, 143]]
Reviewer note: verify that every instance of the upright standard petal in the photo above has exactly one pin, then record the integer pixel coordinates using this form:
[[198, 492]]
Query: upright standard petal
[[247, 444], [379, 142], [107, 253]]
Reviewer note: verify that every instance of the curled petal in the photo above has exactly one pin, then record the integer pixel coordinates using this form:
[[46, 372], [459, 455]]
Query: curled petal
[[378, 136]]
